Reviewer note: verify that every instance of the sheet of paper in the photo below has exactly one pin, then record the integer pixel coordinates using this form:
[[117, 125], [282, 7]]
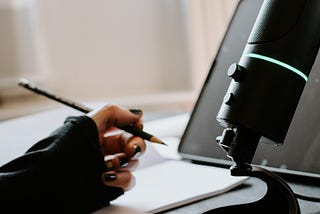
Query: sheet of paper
[[174, 183]]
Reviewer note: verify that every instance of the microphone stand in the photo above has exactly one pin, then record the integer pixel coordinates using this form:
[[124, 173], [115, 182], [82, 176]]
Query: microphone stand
[[279, 197]]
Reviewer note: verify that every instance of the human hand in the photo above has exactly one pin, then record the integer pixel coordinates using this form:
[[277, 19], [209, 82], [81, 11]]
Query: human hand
[[120, 149]]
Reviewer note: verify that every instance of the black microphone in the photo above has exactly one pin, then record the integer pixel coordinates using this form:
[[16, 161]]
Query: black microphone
[[270, 76]]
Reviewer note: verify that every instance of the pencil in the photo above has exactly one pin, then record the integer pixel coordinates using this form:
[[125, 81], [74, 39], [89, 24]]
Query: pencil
[[38, 90]]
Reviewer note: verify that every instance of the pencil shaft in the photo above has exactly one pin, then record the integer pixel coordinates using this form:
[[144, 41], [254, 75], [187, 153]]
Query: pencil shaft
[[55, 97], [131, 129], [135, 131]]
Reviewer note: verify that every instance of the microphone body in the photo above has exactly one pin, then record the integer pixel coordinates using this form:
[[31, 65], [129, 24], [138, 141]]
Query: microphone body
[[270, 76]]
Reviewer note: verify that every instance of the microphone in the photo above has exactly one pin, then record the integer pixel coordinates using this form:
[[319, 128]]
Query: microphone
[[270, 76]]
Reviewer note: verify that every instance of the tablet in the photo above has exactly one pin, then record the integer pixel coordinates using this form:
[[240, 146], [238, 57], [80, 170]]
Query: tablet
[[299, 154]]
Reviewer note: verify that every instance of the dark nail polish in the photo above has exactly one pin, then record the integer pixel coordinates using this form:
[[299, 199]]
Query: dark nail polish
[[109, 165], [123, 161], [109, 177], [137, 151], [136, 111]]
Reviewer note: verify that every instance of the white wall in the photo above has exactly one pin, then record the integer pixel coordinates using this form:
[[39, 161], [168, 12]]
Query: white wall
[[205, 24], [112, 48], [18, 42], [118, 48]]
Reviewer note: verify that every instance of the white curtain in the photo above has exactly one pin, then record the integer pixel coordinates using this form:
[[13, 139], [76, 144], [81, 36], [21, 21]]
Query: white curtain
[[205, 24]]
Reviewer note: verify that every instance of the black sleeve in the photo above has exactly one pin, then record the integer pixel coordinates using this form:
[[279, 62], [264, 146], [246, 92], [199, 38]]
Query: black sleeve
[[61, 173]]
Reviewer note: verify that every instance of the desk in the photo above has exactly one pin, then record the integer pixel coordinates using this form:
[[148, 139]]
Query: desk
[[252, 190]]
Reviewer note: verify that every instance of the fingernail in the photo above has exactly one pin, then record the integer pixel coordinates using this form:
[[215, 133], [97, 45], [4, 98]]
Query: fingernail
[[137, 151], [109, 177], [123, 161], [136, 111], [109, 165]]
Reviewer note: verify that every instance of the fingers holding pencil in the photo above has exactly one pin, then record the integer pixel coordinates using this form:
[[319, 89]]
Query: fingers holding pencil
[[114, 116]]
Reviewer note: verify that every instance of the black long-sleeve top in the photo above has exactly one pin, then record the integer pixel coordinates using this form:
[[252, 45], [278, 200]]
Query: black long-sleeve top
[[59, 174]]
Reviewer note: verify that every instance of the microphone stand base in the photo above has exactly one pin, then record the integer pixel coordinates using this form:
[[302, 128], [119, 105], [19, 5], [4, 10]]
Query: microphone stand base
[[279, 197]]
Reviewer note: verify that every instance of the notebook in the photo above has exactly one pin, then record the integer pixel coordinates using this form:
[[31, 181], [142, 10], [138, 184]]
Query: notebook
[[175, 183]]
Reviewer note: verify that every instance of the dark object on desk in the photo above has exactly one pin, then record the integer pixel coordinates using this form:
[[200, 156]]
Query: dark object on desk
[[291, 160], [279, 197], [276, 61], [133, 130]]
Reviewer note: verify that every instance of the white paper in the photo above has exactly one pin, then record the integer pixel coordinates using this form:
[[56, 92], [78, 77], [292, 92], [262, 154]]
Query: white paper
[[174, 183]]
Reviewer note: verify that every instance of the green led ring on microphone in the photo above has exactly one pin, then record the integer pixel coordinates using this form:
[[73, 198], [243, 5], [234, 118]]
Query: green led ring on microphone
[[277, 62]]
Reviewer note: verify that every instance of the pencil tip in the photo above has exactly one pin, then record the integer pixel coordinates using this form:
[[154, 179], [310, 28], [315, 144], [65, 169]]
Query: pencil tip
[[156, 140]]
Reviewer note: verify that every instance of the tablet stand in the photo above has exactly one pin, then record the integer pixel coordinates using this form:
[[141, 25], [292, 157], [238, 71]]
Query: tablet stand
[[279, 197]]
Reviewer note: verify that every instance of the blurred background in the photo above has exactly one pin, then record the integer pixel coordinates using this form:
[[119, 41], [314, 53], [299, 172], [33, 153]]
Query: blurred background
[[149, 54]]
